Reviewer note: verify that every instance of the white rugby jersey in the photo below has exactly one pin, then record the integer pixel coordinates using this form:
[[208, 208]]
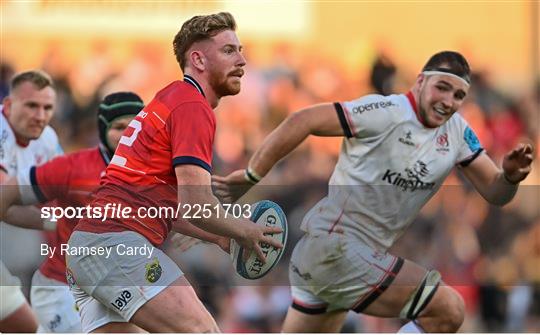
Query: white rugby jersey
[[15, 157], [390, 165]]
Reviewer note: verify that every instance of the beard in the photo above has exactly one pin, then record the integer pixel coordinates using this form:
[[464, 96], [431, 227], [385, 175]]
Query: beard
[[222, 84], [422, 111]]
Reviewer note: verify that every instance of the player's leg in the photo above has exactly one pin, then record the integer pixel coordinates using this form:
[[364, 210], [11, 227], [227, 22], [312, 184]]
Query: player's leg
[[22, 320], [118, 327], [340, 274], [16, 316], [311, 261], [175, 309], [149, 292], [418, 295], [301, 322]]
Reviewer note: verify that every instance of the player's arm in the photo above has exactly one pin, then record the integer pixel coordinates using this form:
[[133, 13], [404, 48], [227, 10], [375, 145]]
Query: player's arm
[[187, 228], [318, 120], [12, 211], [3, 175], [499, 185], [194, 189], [28, 217], [10, 195]]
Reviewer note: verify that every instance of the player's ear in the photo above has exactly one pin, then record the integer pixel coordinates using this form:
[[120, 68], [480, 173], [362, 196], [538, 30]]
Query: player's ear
[[197, 60], [420, 79], [6, 102]]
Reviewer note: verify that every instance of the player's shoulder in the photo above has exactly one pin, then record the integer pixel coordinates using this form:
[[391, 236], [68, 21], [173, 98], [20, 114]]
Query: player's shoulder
[[82, 160], [457, 125], [47, 141], [376, 113], [49, 136], [179, 93], [76, 163], [460, 132], [7, 137], [7, 143], [83, 156], [390, 104]]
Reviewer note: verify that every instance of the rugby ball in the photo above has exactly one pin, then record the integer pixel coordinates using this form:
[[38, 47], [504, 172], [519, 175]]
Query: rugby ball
[[266, 213]]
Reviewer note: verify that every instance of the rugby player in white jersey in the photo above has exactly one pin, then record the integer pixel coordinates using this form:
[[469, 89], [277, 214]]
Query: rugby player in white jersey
[[25, 140], [397, 151]]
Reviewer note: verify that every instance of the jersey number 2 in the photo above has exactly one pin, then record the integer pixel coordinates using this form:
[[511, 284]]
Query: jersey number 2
[[127, 140]]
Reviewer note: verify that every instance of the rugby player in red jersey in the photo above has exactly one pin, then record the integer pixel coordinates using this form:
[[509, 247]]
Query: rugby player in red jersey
[[80, 175], [164, 158], [68, 179]]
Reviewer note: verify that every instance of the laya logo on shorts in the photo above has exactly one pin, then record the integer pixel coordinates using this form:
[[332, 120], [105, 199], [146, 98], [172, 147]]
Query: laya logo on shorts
[[374, 105], [153, 271], [123, 299]]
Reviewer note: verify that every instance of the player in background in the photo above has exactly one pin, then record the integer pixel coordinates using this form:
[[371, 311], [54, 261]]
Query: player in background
[[163, 158], [80, 175], [69, 179], [397, 151], [25, 140]]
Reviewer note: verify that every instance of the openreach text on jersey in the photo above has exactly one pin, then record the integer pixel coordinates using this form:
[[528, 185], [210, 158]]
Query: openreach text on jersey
[[120, 249]]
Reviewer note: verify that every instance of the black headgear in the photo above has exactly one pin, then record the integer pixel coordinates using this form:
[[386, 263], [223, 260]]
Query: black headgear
[[113, 106]]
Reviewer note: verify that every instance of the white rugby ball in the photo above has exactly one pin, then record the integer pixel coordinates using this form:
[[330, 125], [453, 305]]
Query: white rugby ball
[[266, 213]]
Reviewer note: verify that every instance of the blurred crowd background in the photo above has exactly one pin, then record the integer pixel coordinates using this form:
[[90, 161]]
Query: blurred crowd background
[[300, 53]]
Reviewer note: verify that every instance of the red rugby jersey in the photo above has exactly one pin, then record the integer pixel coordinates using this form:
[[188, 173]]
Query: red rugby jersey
[[176, 127], [70, 179]]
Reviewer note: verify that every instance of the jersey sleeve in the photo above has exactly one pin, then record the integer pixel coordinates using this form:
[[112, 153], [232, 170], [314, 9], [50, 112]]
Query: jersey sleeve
[[469, 145], [7, 145], [192, 127], [48, 181], [366, 116]]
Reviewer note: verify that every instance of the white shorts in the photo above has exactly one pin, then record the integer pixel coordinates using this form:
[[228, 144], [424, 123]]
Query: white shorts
[[54, 305], [112, 288], [11, 297], [330, 272]]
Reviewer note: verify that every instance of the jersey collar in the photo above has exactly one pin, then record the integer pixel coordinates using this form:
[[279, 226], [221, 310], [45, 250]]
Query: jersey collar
[[412, 101], [190, 80]]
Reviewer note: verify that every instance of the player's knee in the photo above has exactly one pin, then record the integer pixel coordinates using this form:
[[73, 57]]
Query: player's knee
[[447, 313], [201, 324], [455, 313]]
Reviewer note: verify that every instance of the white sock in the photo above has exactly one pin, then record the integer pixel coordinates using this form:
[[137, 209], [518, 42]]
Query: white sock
[[411, 327]]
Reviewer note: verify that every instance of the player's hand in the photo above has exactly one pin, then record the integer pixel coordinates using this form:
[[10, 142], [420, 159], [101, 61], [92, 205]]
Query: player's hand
[[230, 188], [517, 163], [254, 234]]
